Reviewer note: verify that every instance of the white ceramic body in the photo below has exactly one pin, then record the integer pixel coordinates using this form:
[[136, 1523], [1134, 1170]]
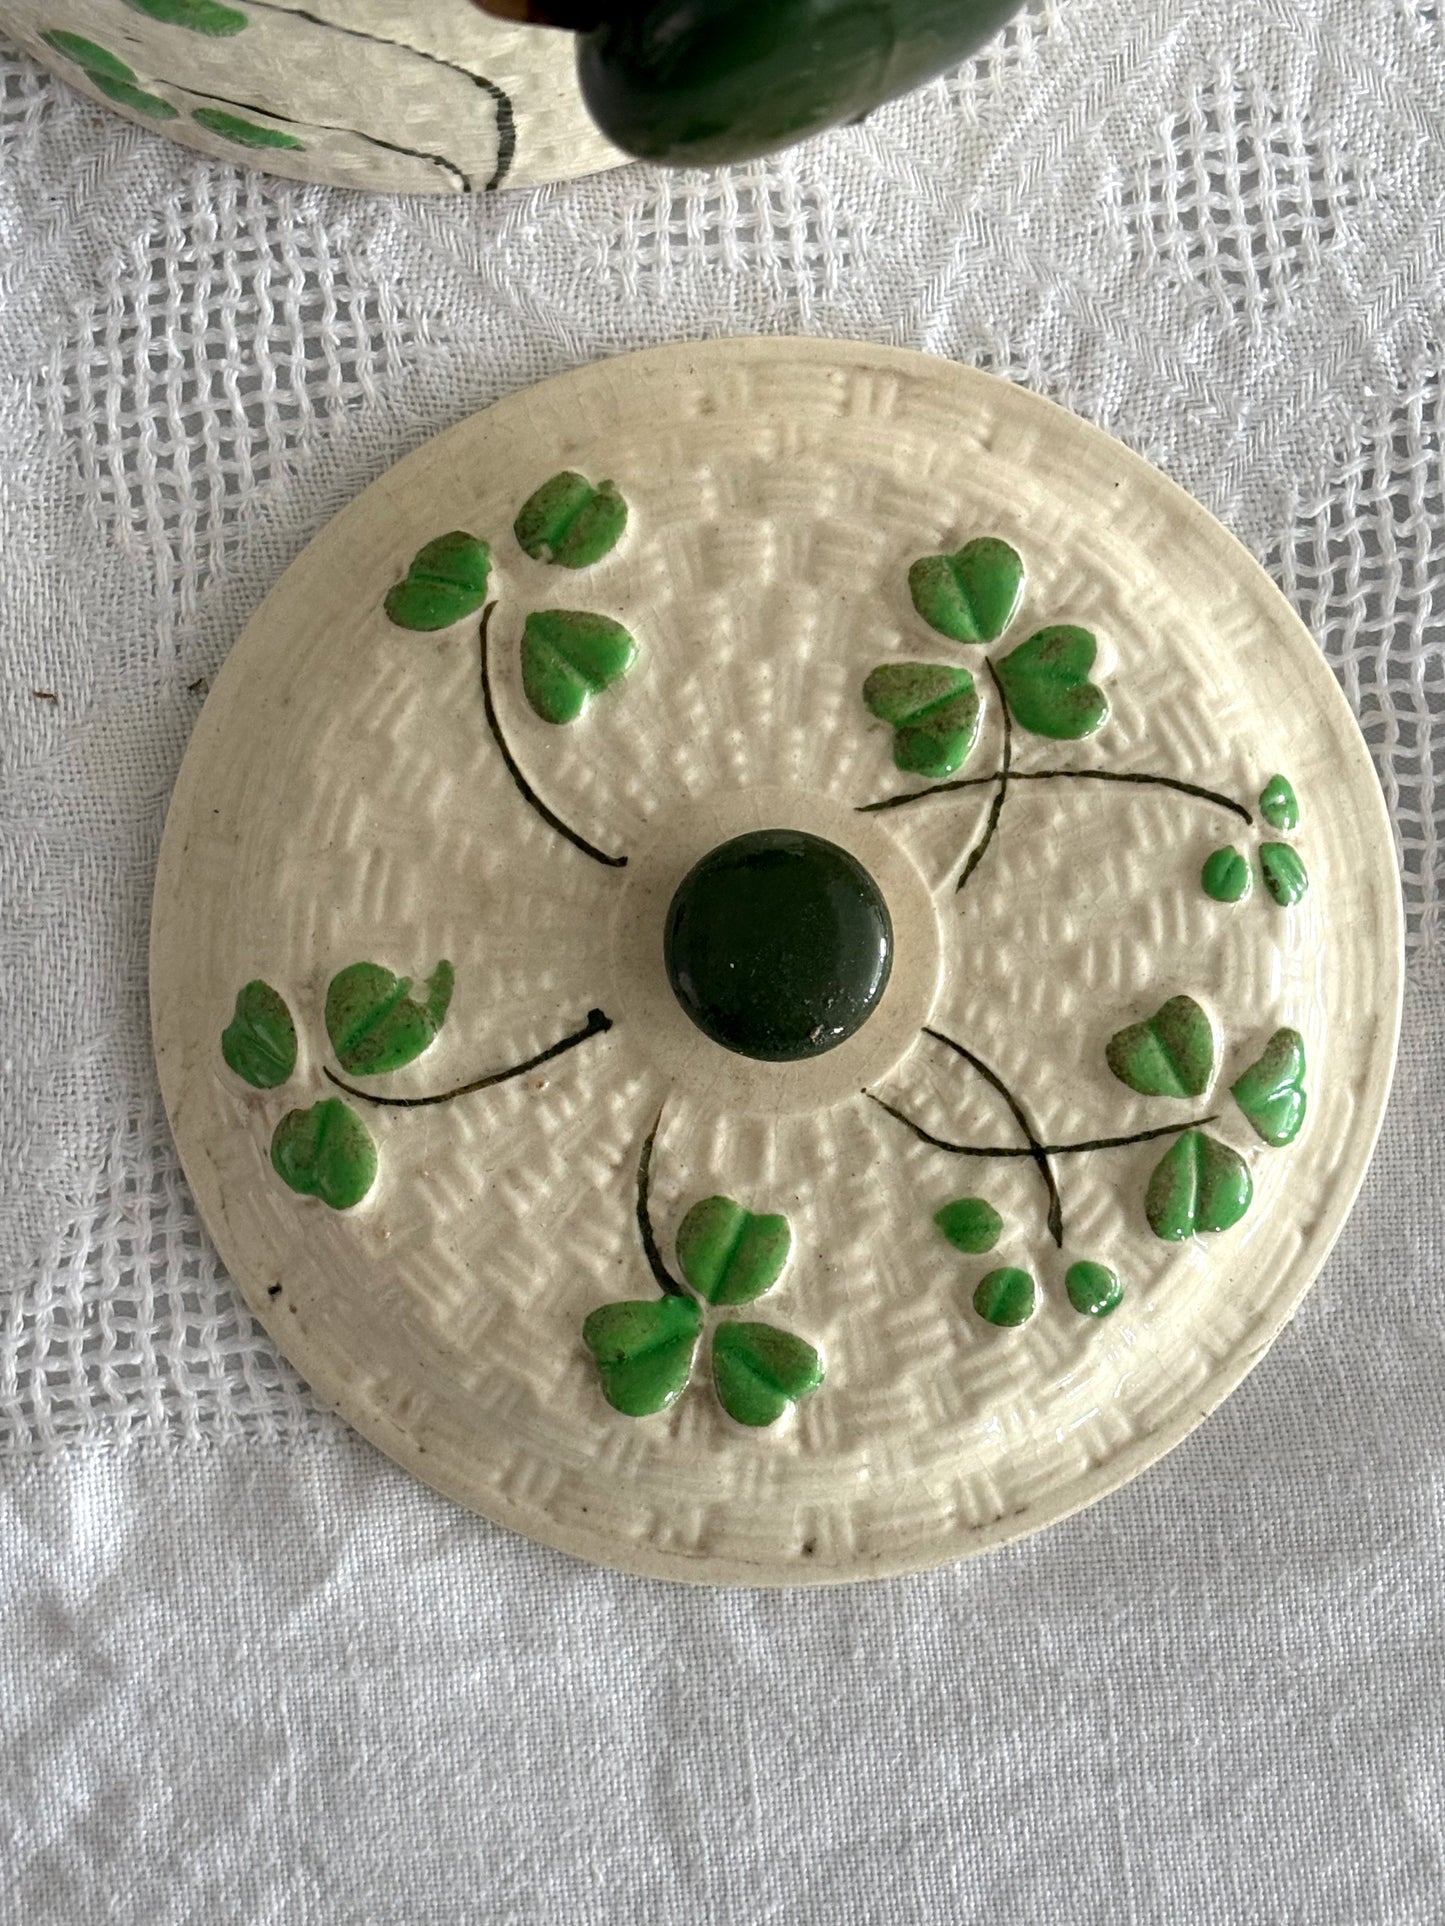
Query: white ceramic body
[[400, 96], [341, 800]]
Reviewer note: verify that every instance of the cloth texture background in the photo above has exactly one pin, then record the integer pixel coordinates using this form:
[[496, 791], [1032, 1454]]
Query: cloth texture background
[[248, 1670]]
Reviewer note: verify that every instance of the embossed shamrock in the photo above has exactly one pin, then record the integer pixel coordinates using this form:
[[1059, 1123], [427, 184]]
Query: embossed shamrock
[[446, 581], [1007, 1295], [1271, 1092], [109, 75], [259, 1043], [645, 1349], [933, 709], [376, 1025], [1044, 682], [1226, 877], [570, 523], [325, 1152], [568, 657], [972, 595], [1170, 1054]]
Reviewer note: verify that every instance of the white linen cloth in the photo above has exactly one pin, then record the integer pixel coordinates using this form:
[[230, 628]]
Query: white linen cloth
[[248, 1670]]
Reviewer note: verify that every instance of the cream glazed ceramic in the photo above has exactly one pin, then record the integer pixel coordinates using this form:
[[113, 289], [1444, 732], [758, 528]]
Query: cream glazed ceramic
[[431, 97], [907, 1297]]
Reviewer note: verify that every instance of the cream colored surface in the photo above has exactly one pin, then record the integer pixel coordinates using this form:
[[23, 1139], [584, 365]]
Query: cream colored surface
[[382, 95], [341, 799]]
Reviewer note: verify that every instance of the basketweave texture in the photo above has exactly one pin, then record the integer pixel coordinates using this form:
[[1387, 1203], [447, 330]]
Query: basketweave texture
[[1215, 232]]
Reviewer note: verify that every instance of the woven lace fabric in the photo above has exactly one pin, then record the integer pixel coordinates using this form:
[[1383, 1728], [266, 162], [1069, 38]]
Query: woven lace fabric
[[1215, 228]]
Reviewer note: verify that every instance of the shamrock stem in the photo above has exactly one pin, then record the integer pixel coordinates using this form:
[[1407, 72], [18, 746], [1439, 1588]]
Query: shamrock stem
[[990, 828], [1021, 1117], [528, 793], [1060, 775], [1024, 1150], [506, 116], [596, 1025], [670, 1285]]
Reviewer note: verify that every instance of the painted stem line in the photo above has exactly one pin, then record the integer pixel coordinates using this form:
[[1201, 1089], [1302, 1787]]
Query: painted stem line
[[1021, 1117], [1180, 788], [326, 127], [1025, 1150], [528, 793], [1001, 776], [671, 1286], [506, 117], [597, 1024]]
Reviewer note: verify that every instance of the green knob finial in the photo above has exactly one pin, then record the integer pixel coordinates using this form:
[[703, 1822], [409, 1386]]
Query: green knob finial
[[778, 945]]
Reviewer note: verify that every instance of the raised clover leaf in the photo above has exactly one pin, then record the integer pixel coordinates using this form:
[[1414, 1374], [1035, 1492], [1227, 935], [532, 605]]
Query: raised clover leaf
[[200, 16], [446, 581], [1046, 681], [1285, 876], [1170, 1054], [970, 1224], [1278, 804], [1005, 1297], [259, 1043], [569, 522], [245, 133], [972, 595], [1093, 1289], [644, 1351], [729, 1255], [568, 657], [1225, 875], [759, 1371], [375, 1025], [325, 1152], [108, 75], [933, 708], [1199, 1184], [1271, 1092]]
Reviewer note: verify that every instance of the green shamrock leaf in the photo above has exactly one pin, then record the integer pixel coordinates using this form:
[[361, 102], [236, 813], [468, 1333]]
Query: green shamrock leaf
[[1284, 873], [970, 596], [1225, 875], [970, 1224], [1199, 1184], [200, 16], [568, 657], [1278, 804], [759, 1371], [728, 1255], [1005, 1297], [569, 522], [1170, 1054], [245, 133], [1094, 1290], [446, 581], [108, 75], [934, 712], [644, 1351], [259, 1043], [374, 1025], [1271, 1092], [325, 1152], [1046, 680]]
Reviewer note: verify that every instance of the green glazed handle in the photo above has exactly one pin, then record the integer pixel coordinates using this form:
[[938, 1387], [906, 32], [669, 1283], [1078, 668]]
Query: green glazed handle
[[706, 82]]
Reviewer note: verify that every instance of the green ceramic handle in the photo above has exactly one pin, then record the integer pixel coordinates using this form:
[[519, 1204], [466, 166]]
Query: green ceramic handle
[[703, 82]]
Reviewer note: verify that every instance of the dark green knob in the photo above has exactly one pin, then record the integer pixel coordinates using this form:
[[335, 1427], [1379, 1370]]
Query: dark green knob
[[778, 945], [701, 82]]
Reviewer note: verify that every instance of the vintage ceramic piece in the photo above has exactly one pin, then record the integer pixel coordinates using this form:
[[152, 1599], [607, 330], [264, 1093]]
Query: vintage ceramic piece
[[697, 983], [425, 97]]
